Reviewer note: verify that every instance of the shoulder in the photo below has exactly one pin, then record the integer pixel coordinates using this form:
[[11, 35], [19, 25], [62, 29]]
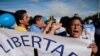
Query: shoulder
[[34, 27], [20, 28]]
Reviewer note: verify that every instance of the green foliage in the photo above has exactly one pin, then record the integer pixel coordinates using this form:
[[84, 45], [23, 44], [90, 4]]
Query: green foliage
[[52, 18], [31, 17], [94, 17]]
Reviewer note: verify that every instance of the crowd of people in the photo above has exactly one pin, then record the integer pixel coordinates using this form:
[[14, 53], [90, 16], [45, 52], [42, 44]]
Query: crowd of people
[[67, 27]]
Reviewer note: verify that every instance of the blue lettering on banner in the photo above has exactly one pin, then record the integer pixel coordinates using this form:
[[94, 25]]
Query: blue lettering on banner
[[25, 40], [49, 41], [61, 51], [10, 44], [72, 54], [38, 42], [6, 51], [16, 41]]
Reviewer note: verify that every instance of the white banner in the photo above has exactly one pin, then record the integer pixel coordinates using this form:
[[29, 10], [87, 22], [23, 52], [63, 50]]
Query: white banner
[[15, 43]]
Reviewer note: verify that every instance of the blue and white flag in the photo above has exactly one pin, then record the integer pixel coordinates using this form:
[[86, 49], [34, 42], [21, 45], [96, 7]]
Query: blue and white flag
[[89, 30]]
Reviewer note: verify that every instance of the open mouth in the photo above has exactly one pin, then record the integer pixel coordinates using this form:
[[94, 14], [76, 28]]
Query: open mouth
[[76, 31]]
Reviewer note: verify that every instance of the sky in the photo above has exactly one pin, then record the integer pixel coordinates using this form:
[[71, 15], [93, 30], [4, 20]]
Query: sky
[[57, 8]]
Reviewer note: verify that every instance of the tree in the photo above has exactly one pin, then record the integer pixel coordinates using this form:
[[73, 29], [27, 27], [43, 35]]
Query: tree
[[94, 17], [52, 18]]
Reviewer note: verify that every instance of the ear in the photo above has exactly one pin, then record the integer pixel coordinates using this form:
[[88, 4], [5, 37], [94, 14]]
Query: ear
[[21, 21]]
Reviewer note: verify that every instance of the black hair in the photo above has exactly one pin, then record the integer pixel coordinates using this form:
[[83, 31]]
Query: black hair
[[65, 21], [36, 18], [74, 18], [19, 15]]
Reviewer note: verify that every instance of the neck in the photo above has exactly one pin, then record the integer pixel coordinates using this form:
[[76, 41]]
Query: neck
[[21, 25], [74, 36], [38, 25]]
